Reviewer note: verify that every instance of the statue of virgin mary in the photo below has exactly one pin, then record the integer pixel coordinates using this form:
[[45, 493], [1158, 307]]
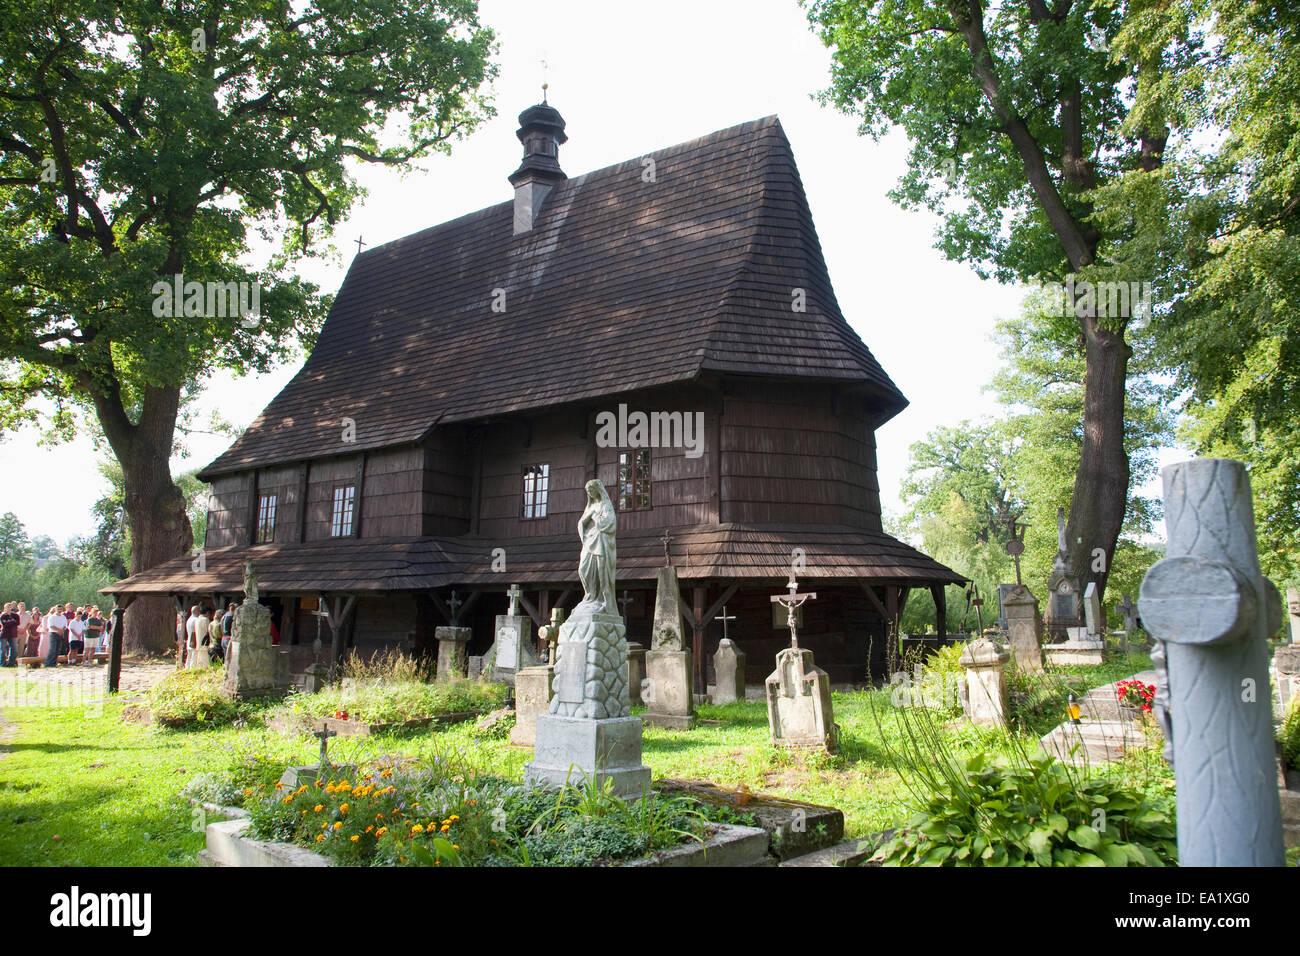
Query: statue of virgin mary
[[596, 529]]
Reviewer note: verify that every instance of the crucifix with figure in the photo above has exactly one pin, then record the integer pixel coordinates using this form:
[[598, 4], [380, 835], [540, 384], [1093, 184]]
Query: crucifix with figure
[[324, 734], [791, 602]]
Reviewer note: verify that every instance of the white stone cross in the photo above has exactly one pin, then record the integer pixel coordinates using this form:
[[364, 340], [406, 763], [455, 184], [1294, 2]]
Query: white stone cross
[[515, 595], [724, 618]]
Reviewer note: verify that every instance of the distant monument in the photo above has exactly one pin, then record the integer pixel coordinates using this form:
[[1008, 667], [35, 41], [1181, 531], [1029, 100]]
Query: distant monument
[[1064, 609], [589, 736], [255, 667], [799, 712], [668, 691]]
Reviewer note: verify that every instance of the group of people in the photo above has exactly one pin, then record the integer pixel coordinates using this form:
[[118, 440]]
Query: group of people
[[204, 636], [74, 633]]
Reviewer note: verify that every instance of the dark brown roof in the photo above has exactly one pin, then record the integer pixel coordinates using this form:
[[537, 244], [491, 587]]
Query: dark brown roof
[[727, 551], [623, 284]]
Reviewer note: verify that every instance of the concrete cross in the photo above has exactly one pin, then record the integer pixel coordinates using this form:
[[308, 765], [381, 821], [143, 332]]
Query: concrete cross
[[790, 602], [515, 595], [1208, 606], [667, 539], [623, 602], [454, 602], [1129, 610], [324, 734], [724, 618]]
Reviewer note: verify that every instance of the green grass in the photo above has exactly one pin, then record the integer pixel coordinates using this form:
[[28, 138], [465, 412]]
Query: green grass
[[108, 789]]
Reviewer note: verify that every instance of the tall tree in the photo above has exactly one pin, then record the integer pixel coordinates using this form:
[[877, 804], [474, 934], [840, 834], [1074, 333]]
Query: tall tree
[[14, 543], [144, 145], [1016, 112]]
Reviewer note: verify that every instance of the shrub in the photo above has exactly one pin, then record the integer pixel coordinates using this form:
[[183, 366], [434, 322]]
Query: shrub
[[213, 788], [1290, 736], [189, 698], [394, 699], [998, 813]]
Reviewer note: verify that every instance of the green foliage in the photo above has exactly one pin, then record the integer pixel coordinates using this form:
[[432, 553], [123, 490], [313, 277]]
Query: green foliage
[[998, 813], [380, 701], [14, 543], [1289, 736], [189, 698], [61, 580]]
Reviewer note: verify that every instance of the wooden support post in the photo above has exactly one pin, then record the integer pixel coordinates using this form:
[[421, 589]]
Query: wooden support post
[[940, 610], [697, 652], [115, 644]]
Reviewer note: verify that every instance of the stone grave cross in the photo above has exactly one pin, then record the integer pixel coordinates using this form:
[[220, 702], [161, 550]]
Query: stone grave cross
[[724, 618], [790, 602], [1207, 605], [515, 595], [667, 539], [453, 603], [623, 602], [1129, 612], [324, 734]]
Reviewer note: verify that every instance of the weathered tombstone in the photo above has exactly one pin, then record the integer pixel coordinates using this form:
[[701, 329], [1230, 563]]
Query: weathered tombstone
[[1063, 608], [669, 694], [1286, 676], [452, 662], [1024, 627], [729, 672], [512, 646], [254, 666], [534, 686], [799, 711], [1128, 610], [1293, 613], [1092, 612], [635, 670], [1207, 604], [475, 666], [1083, 645], [1003, 591], [589, 735], [986, 683]]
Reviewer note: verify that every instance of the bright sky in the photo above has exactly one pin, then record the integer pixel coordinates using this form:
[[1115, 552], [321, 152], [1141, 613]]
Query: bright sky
[[630, 78]]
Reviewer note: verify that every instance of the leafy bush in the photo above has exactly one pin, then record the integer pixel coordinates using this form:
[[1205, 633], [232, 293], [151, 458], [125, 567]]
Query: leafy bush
[[1290, 736], [190, 698], [997, 813], [392, 700], [213, 788]]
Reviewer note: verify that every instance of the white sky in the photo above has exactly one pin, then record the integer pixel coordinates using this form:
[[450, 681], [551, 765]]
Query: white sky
[[630, 78]]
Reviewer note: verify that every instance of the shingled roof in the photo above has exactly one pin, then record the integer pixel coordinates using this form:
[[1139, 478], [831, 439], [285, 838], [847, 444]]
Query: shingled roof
[[623, 283], [750, 553]]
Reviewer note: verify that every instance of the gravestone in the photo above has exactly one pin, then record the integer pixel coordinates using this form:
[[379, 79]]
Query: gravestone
[[1286, 676], [1086, 644], [985, 700], [1208, 605], [512, 647], [254, 666], [729, 672], [452, 661], [1024, 627], [1003, 591], [1128, 610], [589, 735], [669, 694], [799, 711], [1063, 602], [1092, 612], [635, 671], [533, 686], [1293, 613]]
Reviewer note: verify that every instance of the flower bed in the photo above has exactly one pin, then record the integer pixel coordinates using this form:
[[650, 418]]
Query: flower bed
[[444, 815]]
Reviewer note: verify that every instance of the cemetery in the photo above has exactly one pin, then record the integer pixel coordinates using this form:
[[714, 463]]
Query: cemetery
[[566, 544]]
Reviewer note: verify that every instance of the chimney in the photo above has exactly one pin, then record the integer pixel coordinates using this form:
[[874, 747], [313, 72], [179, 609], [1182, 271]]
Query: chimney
[[541, 130]]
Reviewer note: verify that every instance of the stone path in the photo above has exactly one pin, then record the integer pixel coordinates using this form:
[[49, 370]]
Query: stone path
[[1106, 730], [76, 683]]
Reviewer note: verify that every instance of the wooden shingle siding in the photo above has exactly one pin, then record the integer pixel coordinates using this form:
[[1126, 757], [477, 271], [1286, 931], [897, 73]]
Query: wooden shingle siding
[[326, 473], [228, 511], [393, 493]]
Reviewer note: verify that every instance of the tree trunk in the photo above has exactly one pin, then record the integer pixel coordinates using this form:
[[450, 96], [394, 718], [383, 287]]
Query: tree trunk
[[1101, 483], [155, 507]]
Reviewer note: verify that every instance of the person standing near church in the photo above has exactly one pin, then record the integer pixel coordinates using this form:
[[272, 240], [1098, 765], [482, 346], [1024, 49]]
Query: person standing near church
[[35, 628], [94, 633], [24, 623], [56, 627], [77, 636], [9, 635]]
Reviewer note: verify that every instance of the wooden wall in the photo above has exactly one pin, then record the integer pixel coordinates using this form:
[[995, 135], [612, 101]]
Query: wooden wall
[[228, 511], [556, 439], [392, 493], [446, 483], [797, 456]]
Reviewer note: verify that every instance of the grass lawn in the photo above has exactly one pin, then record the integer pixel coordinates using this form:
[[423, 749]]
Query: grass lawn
[[81, 787]]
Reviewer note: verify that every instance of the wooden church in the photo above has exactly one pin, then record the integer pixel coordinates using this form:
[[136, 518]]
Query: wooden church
[[666, 324]]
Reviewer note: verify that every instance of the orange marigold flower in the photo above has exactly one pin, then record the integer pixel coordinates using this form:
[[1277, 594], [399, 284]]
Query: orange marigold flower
[[417, 829], [343, 808], [437, 862], [338, 825], [319, 807], [453, 817], [279, 786], [369, 828], [354, 838], [319, 837], [455, 847], [445, 828], [381, 831]]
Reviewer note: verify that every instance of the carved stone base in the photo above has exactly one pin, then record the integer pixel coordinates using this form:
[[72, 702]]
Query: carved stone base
[[591, 667], [576, 750], [532, 699], [255, 667], [668, 698], [451, 651]]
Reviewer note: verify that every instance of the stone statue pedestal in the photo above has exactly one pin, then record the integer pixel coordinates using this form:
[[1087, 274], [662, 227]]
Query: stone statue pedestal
[[512, 648], [1024, 627], [986, 683], [589, 730], [452, 661], [728, 672], [532, 699], [254, 666], [579, 751], [799, 711]]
